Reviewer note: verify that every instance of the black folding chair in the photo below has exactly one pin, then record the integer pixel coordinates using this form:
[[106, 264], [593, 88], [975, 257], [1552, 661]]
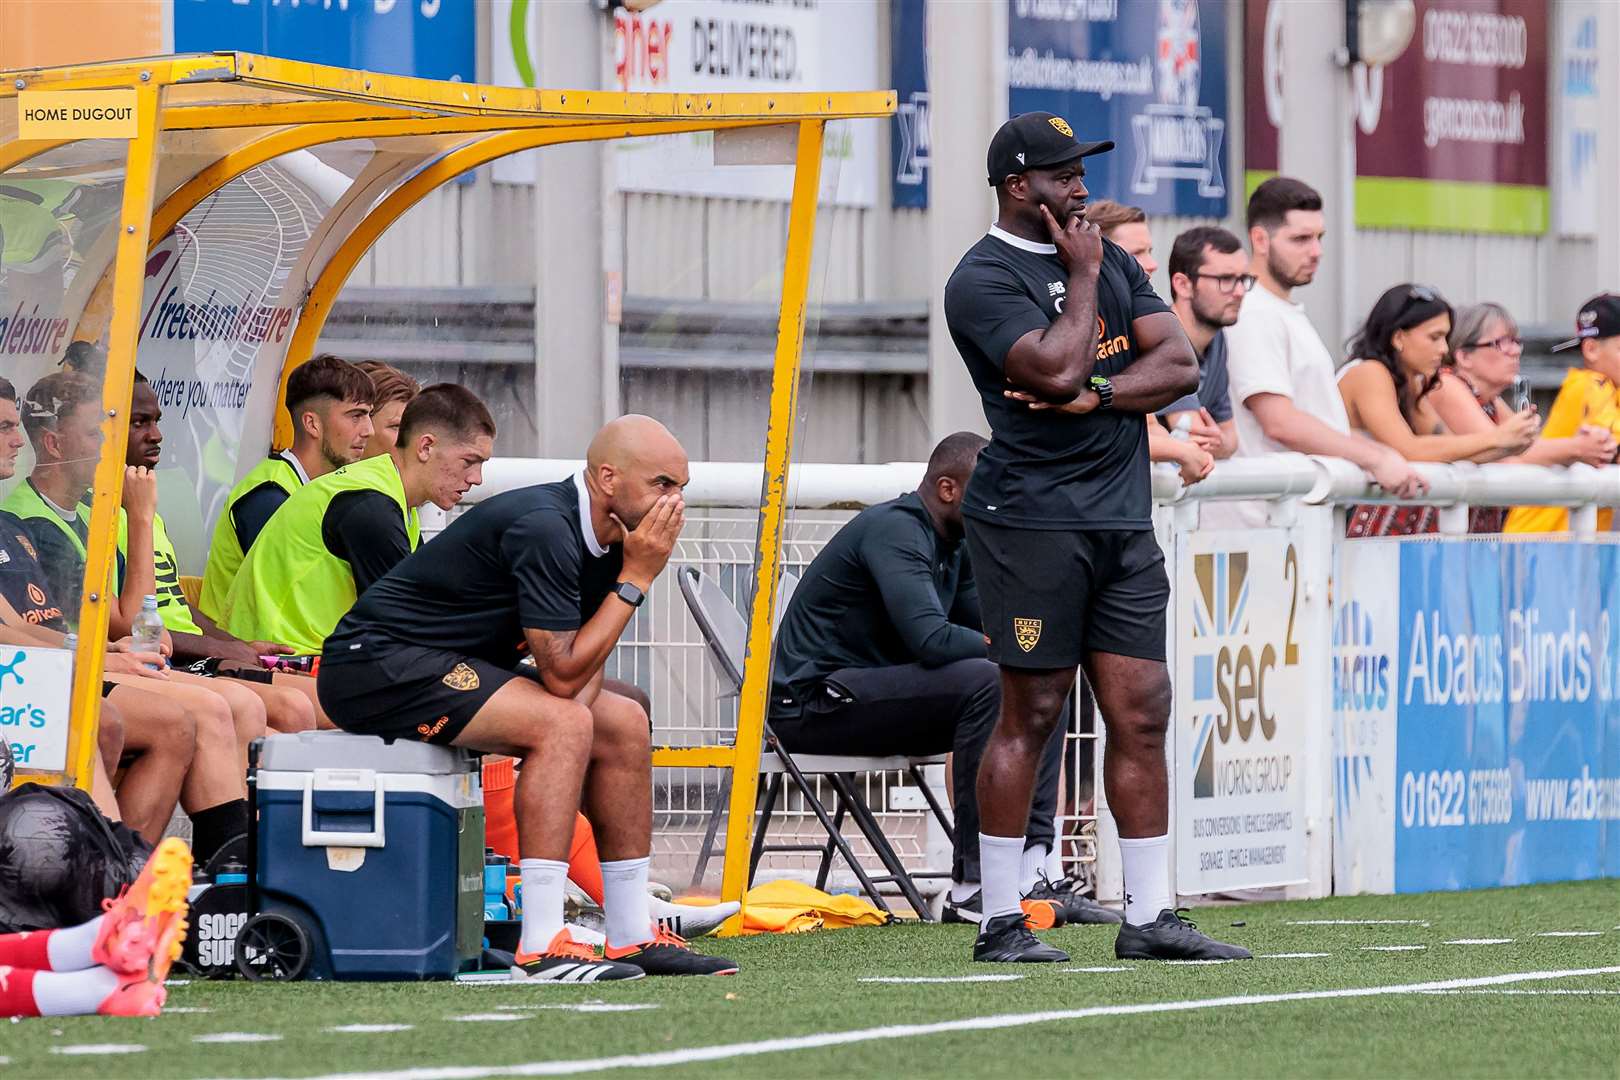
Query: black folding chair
[[725, 632]]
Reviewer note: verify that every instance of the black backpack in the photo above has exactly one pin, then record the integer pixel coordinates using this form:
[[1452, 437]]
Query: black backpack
[[60, 858]]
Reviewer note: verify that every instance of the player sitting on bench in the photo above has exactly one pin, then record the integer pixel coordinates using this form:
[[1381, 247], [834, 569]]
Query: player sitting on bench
[[433, 651]]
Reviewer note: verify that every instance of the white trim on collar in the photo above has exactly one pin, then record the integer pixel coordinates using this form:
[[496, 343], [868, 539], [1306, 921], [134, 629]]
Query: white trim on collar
[[297, 466], [587, 533], [1019, 242]]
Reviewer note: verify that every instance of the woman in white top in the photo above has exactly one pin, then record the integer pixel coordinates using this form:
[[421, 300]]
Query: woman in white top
[[1395, 365]]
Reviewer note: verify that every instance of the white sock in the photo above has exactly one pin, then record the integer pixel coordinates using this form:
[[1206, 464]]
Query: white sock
[[962, 891], [624, 902], [1031, 868], [999, 861], [1146, 864], [73, 993], [1054, 866], [69, 948], [542, 902]]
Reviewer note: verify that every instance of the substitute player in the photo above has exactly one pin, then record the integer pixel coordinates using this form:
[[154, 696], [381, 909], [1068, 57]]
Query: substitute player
[[432, 652], [1070, 349]]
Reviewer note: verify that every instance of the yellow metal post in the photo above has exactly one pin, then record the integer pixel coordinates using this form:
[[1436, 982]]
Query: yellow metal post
[[755, 696], [133, 224]]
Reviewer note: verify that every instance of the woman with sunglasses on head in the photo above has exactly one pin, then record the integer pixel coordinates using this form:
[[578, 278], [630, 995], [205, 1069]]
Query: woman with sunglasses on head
[[1484, 364], [1394, 368]]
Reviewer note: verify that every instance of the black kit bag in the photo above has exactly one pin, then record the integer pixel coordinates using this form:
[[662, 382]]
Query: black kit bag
[[60, 858]]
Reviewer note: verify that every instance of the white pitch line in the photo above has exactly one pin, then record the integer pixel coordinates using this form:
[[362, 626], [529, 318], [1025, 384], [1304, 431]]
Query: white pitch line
[[1393, 948], [1481, 941], [1191, 963], [1097, 970], [1358, 922], [370, 1029], [942, 979], [479, 1018], [235, 1037], [1293, 955], [1530, 993], [1570, 933], [727, 1051], [99, 1048], [171, 1010]]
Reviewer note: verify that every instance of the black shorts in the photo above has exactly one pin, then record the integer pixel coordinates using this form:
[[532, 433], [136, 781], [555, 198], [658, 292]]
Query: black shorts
[[408, 692], [1048, 597]]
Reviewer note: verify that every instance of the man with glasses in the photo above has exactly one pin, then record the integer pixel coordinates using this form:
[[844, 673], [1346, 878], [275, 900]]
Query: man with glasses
[[1282, 384], [1209, 276]]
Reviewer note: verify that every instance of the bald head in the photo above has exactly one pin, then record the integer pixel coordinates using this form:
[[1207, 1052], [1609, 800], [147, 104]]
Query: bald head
[[631, 463]]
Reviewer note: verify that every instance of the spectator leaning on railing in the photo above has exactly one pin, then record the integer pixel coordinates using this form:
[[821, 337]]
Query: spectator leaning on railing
[[1483, 366], [1282, 385], [1395, 364], [1193, 457], [1209, 277], [1590, 396]]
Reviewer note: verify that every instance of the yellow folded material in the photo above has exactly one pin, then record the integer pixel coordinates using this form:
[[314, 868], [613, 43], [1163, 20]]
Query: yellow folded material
[[791, 907]]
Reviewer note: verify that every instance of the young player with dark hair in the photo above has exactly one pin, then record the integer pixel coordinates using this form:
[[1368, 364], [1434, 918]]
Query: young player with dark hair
[[337, 535], [330, 402]]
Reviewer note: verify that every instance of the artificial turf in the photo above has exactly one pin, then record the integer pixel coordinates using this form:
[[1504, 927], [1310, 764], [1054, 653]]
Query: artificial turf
[[812, 983]]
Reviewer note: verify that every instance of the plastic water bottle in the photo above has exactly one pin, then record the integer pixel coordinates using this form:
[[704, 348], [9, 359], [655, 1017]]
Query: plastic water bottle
[[495, 909], [147, 630], [1181, 433]]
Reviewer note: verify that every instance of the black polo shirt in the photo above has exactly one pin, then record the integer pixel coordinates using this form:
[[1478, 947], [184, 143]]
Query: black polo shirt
[[1046, 469], [887, 589], [525, 558]]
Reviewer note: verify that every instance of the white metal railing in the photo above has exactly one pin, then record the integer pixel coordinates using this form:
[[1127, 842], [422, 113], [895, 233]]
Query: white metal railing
[[663, 652]]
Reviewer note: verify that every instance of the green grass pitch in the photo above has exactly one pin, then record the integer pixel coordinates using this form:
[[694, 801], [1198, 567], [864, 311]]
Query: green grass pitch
[[816, 985]]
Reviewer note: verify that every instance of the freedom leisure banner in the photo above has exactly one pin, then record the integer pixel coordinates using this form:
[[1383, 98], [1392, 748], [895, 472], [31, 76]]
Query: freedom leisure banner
[[1477, 725]]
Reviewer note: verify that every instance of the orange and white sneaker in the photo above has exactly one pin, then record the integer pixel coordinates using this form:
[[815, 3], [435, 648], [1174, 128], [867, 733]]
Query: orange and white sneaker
[[135, 996], [142, 929], [669, 954], [568, 961]]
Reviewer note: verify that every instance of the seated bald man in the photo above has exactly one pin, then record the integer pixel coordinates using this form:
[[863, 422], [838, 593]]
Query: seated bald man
[[434, 650]]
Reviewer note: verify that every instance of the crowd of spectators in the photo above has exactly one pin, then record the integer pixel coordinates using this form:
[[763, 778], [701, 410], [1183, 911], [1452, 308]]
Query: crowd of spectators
[[1420, 381]]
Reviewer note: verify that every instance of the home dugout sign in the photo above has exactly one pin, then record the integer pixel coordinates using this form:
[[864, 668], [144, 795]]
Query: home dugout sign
[[76, 114]]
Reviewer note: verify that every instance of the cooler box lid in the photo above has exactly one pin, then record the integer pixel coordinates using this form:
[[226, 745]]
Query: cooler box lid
[[307, 751]]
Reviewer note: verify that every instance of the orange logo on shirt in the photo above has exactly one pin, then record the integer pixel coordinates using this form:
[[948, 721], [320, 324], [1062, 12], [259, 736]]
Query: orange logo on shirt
[[36, 594], [1109, 346]]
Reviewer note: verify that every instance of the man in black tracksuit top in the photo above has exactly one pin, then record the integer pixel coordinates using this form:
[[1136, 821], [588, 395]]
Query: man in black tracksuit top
[[880, 652], [1070, 350]]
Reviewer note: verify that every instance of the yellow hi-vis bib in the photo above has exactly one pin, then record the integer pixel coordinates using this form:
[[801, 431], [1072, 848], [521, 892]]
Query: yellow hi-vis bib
[[225, 552], [291, 589], [171, 599]]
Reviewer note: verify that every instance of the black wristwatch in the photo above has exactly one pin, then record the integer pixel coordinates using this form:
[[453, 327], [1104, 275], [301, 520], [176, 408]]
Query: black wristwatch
[[1104, 391], [629, 593]]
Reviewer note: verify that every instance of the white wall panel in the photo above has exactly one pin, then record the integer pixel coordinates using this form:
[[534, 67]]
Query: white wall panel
[[746, 240], [663, 245]]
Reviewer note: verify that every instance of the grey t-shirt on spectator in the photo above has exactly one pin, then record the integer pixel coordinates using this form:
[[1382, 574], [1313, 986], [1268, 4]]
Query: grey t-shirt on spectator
[[1214, 392]]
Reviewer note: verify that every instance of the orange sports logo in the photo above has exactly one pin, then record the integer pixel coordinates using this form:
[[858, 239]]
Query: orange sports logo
[[36, 594], [428, 732]]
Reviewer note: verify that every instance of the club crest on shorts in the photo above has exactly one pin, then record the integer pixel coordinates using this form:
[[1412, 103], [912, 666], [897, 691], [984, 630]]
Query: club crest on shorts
[[1027, 632], [461, 677]]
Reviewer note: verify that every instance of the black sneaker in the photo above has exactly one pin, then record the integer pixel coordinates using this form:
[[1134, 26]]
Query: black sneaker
[[1172, 936], [1039, 914], [568, 961], [1076, 910], [669, 954], [1006, 940]]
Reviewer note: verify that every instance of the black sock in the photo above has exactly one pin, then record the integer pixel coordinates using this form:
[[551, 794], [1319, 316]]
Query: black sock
[[213, 828]]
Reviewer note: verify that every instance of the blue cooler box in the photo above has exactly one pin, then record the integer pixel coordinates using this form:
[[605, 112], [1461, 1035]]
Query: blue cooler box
[[377, 849]]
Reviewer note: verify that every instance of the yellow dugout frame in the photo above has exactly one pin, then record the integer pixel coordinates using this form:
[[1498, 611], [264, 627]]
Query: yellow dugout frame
[[244, 110]]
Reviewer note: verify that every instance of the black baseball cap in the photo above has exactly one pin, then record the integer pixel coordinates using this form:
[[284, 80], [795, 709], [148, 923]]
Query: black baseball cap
[[1599, 317], [1036, 140]]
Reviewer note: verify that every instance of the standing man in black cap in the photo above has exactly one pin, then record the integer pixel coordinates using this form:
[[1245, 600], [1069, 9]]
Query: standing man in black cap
[[1071, 350]]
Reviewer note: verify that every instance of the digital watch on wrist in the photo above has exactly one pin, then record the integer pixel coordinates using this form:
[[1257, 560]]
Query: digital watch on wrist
[[1104, 391], [629, 593]]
